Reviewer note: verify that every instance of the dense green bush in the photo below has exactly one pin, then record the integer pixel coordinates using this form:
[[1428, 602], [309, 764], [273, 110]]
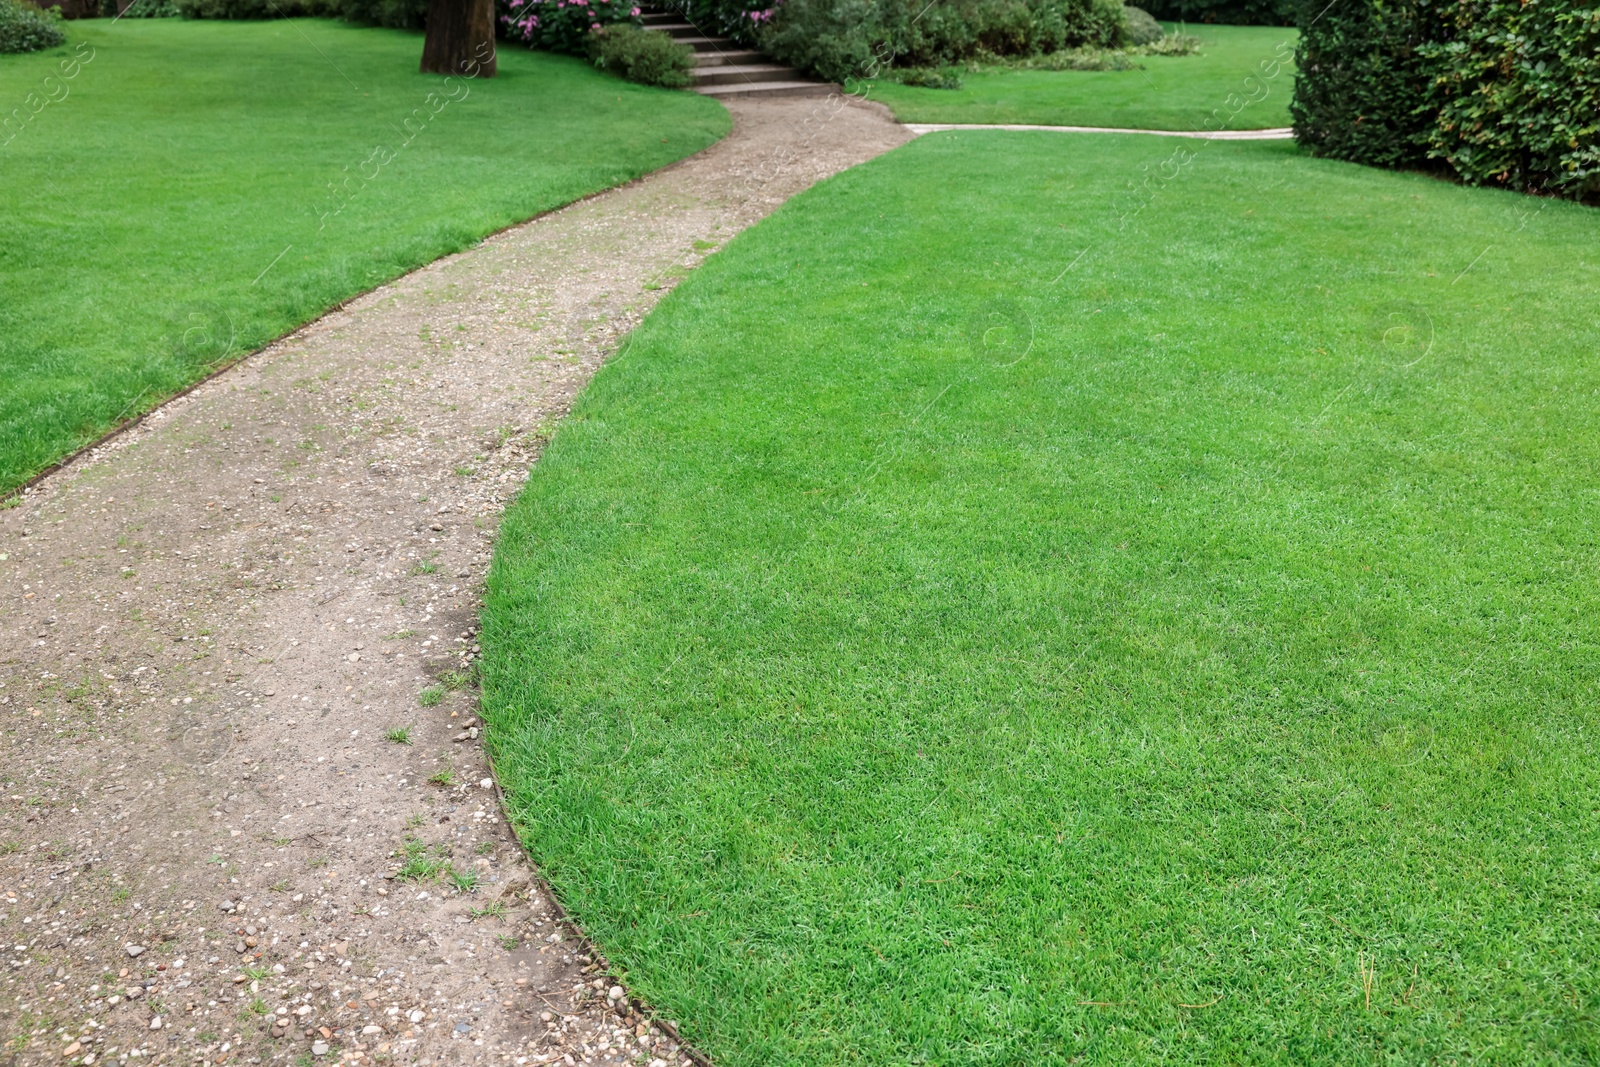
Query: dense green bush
[[398, 14], [1138, 27], [742, 20], [1227, 12], [841, 39], [242, 9], [646, 56], [1500, 92], [561, 25], [1360, 76], [25, 28], [143, 9], [1514, 95]]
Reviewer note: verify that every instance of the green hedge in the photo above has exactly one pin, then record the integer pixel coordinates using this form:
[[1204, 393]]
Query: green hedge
[[1495, 92], [397, 14], [1226, 12]]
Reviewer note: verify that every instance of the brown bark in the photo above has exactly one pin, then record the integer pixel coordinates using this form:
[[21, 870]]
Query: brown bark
[[460, 38]]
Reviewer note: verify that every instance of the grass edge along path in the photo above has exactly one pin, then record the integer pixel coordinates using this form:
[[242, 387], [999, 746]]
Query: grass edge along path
[[974, 624], [200, 189]]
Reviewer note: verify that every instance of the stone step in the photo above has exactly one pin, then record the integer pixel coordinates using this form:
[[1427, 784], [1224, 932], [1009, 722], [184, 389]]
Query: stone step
[[745, 73], [722, 59], [750, 89], [710, 44]]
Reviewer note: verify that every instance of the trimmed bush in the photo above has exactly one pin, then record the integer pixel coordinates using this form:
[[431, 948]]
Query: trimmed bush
[[1495, 92], [1139, 28], [649, 57], [25, 28], [842, 39], [1359, 79], [1513, 93]]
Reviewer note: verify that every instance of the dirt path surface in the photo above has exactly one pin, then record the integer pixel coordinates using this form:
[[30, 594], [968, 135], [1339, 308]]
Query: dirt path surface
[[245, 817]]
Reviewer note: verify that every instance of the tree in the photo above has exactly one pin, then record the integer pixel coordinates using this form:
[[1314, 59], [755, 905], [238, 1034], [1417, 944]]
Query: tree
[[460, 38]]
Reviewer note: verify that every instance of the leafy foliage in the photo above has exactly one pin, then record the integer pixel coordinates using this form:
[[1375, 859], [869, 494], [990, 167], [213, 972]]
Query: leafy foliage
[[841, 39], [562, 25], [739, 19], [396, 14], [26, 28], [1226, 12], [1495, 91], [145, 9], [1516, 88], [1139, 27], [645, 56], [1360, 77]]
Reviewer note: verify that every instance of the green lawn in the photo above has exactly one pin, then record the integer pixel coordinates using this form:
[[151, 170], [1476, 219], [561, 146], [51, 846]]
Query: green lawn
[[175, 205], [963, 628], [1224, 86]]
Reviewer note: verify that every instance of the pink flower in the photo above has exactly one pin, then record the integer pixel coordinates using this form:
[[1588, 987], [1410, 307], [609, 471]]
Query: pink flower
[[594, 25], [634, 13]]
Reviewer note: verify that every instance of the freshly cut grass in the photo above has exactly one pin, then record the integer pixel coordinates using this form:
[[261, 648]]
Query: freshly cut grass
[[961, 628], [1224, 86], [199, 188]]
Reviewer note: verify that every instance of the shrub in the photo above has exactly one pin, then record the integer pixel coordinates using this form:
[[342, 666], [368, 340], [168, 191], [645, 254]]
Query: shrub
[[1172, 44], [1494, 91], [562, 25], [241, 9], [1138, 27], [1359, 78], [25, 28], [927, 78], [144, 9], [841, 39], [1513, 95], [649, 57], [397, 14], [1226, 12]]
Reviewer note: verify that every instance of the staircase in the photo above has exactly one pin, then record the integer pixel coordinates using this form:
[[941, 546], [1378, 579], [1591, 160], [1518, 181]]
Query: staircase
[[727, 69]]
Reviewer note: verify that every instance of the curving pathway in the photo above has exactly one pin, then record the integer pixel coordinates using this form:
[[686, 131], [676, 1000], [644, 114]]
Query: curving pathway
[[239, 744]]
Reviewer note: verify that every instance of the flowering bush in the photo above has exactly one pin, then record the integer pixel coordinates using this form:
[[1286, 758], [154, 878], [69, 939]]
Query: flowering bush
[[562, 25]]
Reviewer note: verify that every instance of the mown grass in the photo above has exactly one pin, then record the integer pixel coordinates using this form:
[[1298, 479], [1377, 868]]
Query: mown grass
[[975, 622], [174, 206], [1241, 79]]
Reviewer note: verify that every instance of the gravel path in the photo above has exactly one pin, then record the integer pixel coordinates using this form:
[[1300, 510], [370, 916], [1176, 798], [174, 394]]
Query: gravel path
[[245, 818]]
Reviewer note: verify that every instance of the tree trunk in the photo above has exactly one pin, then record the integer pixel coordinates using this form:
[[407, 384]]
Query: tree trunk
[[460, 38]]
